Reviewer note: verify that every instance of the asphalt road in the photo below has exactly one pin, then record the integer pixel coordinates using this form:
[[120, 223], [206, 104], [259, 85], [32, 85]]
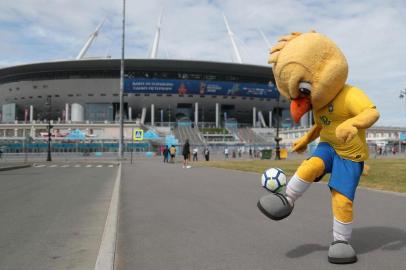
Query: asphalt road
[[53, 217], [203, 218]]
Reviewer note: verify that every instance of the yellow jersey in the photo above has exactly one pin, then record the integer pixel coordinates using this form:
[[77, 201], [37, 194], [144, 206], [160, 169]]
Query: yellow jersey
[[350, 102]]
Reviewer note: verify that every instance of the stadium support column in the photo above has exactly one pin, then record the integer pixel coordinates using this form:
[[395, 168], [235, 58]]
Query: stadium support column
[[254, 116], [196, 114], [270, 119], [66, 112], [31, 113], [217, 115], [152, 114], [130, 114]]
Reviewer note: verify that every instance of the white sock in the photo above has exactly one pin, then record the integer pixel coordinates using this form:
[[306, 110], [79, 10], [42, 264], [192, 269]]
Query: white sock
[[341, 230], [295, 188]]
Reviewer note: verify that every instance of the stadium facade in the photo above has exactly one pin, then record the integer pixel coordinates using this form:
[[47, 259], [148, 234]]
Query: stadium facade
[[156, 91]]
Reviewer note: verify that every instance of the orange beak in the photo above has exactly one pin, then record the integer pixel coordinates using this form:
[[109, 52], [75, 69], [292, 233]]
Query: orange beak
[[298, 107]]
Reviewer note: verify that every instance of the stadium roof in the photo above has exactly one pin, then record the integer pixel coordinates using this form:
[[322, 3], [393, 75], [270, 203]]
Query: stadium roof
[[247, 70]]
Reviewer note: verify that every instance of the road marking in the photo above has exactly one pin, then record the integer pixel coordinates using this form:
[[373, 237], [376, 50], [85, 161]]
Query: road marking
[[111, 166], [39, 166], [99, 166], [77, 166], [89, 166], [65, 166], [53, 166]]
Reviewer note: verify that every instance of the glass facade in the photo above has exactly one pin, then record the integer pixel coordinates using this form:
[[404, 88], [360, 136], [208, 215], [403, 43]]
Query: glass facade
[[99, 112]]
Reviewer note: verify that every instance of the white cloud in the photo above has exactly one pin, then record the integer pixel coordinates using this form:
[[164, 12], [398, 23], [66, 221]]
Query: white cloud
[[370, 33]]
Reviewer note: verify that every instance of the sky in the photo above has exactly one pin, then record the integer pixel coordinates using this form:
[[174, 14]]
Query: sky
[[371, 34]]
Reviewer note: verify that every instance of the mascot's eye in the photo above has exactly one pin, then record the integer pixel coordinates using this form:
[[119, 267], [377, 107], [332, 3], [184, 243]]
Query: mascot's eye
[[305, 88]]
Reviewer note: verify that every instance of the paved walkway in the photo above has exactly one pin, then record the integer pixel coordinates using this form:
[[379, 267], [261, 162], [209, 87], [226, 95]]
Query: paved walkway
[[204, 218]]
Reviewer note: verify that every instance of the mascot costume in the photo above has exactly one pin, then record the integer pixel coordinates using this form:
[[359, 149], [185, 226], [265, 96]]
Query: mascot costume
[[311, 71]]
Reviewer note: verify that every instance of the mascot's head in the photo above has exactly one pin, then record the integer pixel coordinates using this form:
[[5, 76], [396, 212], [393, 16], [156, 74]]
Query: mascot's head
[[309, 70]]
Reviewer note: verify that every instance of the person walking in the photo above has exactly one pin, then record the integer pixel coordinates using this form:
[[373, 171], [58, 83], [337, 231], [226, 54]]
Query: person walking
[[165, 153], [172, 152], [186, 154], [195, 151], [226, 153], [206, 153]]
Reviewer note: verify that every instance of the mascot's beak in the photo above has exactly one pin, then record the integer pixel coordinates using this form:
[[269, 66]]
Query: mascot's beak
[[298, 107]]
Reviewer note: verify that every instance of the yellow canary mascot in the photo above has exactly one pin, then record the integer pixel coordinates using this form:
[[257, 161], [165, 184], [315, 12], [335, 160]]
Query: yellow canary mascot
[[311, 71]]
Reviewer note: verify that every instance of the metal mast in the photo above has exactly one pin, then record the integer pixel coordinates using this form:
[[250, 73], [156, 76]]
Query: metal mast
[[233, 43], [120, 146], [90, 41], [154, 51], [265, 39]]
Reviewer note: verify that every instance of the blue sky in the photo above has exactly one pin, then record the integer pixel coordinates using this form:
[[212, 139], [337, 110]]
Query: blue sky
[[372, 34]]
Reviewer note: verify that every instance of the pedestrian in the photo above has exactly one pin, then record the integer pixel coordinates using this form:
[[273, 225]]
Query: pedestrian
[[172, 152], [239, 152], [165, 153], [206, 153], [186, 154], [226, 153], [195, 151], [250, 152], [234, 154]]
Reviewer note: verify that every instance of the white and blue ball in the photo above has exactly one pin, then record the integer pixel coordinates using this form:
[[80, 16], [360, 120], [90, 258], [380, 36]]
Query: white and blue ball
[[274, 180]]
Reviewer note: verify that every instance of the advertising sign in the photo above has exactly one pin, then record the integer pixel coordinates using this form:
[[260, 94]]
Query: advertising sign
[[197, 87]]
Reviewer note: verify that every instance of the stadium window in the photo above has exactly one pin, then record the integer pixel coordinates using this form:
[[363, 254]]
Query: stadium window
[[34, 86], [261, 99], [39, 96], [244, 98], [22, 97], [10, 89], [103, 95], [56, 95], [214, 96], [30, 97], [17, 88], [224, 97], [251, 98], [70, 95], [125, 95], [115, 95], [146, 95], [168, 95], [90, 95], [202, 96], [233, 97], [190, 95], [45, 86], [15, 98], [136, 94], [159, 95]]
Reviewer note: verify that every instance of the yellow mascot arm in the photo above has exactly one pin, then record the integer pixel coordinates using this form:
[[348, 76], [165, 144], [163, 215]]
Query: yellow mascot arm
[[301, 144], [347, 130]]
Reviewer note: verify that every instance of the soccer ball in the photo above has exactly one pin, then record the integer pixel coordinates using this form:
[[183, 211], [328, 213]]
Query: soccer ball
[[274, 180]]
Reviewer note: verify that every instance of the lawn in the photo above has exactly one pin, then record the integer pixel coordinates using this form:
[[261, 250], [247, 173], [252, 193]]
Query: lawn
[[384, 174]]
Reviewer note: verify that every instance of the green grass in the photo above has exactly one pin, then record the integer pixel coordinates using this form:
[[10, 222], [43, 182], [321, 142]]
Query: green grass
[[384, 174]]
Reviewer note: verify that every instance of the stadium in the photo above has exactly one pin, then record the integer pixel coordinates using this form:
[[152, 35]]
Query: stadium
[[207, 102]]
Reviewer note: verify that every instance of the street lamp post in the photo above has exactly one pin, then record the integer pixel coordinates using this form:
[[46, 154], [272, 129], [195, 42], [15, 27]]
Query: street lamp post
[[277, 138], [402, 94], [121, 143], [48, 103]]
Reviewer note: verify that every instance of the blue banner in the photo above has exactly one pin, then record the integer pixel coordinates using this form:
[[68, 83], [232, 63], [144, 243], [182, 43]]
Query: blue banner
[[196, 87]]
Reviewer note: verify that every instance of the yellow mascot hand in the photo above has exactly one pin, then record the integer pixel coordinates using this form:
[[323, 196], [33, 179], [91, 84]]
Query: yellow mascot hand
[[346, 131], [300, 145]]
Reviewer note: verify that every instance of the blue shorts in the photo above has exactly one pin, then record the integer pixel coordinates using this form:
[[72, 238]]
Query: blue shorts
[[345, 174]]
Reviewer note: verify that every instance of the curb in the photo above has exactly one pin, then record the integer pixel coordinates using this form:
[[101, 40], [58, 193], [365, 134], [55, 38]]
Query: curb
[[15, 167], [106, 256]]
